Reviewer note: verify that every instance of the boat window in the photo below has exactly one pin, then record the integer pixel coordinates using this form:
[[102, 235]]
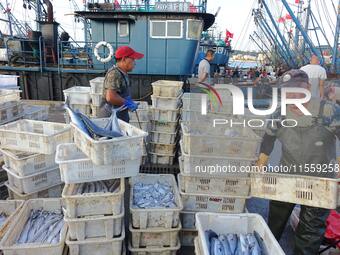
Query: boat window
[[166, 29], [194, 29], [123, 28], [158, 29], [174, 29]]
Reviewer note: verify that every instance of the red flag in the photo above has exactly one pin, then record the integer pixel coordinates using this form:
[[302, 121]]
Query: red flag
[[229, 35], [297, 1], [281, 20], [288, 17]]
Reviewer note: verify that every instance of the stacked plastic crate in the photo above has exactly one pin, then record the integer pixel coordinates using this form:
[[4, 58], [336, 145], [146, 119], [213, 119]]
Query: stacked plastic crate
[[154, 229], [29, 148], [95, 214], [96, 93], [79, 99], [11, 109], [141, 119], [166, 103], [210, 180]]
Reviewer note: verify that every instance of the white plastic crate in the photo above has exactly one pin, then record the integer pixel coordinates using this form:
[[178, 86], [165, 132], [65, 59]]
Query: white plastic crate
[[187, 237], [154, 237], [197, 246], [227, 186], [107, 151], [212, 203], [8, 245], [95, 111], [93, 203], [160, 148], [88, 227], [97, 246], [158, 217], [162, 159], [97, 85], [51, 192], [297, 189], [76, 167], [25, 163], [35, 182], [235, 224], [166, 103], [167, 88], [164, 127], [10, 111], [164, 115], [83, 108], [7, 95], [163, 137], [36, 112], [155, 251], [144, 125], [143, 112], [188, 219], [193, 101], [78, 95], [217, 167], [8, 80], [10, 208], [34, 136], [196, 142], [97, 99]]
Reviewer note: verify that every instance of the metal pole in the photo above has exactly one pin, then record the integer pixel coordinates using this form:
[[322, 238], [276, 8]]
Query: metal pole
[[284, 42], [258, 45], [269, 38], [306, 26], [335, 60], [9, 19], [281, 50], [302, 30]]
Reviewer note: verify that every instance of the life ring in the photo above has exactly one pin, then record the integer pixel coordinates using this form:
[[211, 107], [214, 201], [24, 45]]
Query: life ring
[[104, 44]]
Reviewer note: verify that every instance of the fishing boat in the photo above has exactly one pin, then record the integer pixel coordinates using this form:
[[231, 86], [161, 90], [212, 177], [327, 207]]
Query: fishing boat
[[49, 61]]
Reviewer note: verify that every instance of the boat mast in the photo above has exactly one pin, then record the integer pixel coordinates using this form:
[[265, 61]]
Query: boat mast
[[336, 60]]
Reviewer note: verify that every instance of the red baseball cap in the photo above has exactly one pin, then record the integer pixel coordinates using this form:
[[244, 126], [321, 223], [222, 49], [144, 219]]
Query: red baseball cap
[[126, 51]]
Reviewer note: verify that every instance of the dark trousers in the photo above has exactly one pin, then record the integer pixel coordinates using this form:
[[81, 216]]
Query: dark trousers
[[310, 230]]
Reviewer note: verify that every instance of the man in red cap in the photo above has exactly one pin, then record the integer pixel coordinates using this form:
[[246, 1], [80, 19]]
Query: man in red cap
[[117, 85]]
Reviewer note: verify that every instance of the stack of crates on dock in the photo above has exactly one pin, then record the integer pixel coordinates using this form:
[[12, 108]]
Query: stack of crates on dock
[[141, 119], [29, 148], [93, 172], [96, 93], [166, 103], [154, 229], [210, 163]]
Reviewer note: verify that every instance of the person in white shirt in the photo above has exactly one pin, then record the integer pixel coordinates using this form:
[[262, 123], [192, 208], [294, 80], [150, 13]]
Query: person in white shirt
[[317, 76], [204, 67]]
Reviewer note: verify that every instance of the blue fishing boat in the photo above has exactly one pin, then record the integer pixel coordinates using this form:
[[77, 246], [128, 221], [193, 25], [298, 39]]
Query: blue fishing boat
[[49, 61]]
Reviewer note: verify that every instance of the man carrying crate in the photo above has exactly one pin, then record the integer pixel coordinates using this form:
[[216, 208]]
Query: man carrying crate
[[117, 85], [313, 141]]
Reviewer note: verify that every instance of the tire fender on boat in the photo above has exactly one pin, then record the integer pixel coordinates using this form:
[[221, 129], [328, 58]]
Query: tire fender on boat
[[104, 44]]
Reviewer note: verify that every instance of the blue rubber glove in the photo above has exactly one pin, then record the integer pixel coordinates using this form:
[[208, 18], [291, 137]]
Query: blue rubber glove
[[130, 104]]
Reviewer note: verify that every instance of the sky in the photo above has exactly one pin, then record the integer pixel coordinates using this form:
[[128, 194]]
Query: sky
[[234, 16]]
